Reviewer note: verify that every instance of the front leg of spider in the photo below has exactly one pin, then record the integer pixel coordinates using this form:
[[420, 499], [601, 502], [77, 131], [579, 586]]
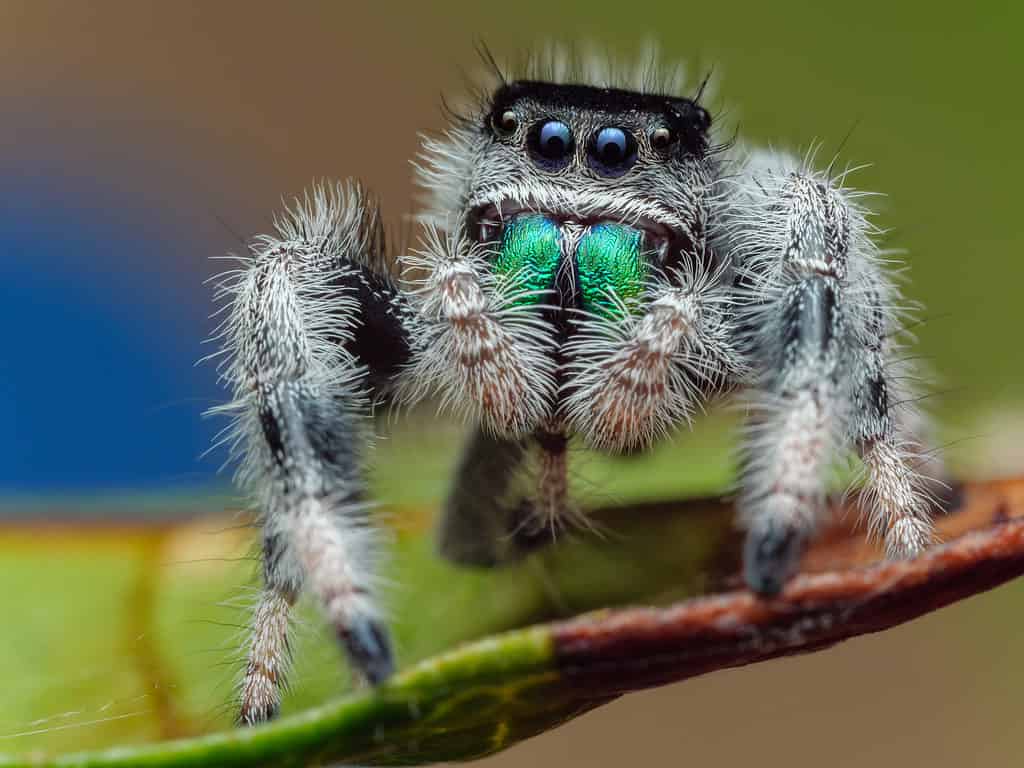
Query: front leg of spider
[[819, 317], [315, 328]]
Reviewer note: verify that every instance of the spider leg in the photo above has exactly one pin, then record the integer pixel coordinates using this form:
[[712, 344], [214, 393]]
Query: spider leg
[[478, 521], [552, 507], [315, 328], [897, 494], [484, 522], [269, 654], [816, 306]]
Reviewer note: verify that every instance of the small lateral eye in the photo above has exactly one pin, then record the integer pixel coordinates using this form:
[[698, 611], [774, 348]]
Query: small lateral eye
[[661, 138], [507, 121]]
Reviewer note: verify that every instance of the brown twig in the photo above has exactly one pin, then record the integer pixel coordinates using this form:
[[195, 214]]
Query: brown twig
[[837, 597]]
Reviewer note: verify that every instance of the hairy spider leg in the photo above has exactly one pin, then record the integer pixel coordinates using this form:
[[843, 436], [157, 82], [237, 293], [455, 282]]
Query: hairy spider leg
[[316, 330], [815, 308]]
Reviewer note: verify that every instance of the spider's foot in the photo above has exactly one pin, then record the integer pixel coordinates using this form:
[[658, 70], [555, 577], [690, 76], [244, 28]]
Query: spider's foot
[[368, 647], [510, 535], [771, 555], [527, 532]]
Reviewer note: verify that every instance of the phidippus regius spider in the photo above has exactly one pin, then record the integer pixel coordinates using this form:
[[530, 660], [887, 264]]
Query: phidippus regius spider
[[593, 264]]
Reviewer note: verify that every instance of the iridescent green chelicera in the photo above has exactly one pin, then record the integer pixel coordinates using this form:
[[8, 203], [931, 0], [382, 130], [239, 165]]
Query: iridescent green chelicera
[[531, 249], [609, 260]]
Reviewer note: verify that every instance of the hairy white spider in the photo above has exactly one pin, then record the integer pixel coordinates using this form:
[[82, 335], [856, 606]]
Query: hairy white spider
[[593, 264]]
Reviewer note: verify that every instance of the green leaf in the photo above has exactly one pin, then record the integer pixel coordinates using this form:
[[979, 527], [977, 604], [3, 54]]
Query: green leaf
[[120, 636]]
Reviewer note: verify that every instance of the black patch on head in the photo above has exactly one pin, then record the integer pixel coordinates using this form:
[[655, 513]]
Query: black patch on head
[[687, 119]]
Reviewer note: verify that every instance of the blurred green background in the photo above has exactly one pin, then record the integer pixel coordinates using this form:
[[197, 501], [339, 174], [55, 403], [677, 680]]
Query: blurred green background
[[140, 139]]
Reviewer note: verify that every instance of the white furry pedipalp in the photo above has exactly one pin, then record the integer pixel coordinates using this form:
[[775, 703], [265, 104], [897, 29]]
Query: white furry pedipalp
[[632, 379], [489, 358]]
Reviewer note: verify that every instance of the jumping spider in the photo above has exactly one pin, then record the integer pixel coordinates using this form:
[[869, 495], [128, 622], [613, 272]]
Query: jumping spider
[[592, 264]]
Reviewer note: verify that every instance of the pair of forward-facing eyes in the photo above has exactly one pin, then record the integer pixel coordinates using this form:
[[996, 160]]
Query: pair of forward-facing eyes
[[611, 149]]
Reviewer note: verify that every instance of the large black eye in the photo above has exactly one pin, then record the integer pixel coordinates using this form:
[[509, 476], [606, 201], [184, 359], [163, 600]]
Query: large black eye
[[551, 142], [612, 151]]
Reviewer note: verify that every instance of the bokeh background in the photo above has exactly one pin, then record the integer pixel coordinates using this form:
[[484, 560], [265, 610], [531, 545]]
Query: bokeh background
[[138, 140]]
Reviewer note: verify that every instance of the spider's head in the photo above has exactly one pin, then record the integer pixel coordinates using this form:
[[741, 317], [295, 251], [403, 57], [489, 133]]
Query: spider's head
[[576, 188]]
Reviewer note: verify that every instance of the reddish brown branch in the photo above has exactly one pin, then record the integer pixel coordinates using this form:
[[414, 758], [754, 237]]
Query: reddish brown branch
[[836, 598]]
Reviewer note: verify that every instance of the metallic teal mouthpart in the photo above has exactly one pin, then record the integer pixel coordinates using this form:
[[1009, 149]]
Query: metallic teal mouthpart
[[609, 259], [531, 249]]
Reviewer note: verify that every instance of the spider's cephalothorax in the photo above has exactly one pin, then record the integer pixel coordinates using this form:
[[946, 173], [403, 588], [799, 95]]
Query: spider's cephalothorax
[[574, 208], [592, 264]]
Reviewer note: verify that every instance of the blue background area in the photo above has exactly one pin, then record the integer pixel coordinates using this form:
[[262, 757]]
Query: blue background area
[[98, 387]]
